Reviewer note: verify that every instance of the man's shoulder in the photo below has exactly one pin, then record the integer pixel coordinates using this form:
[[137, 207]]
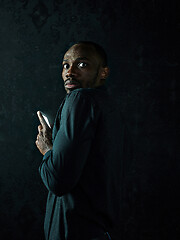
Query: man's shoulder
[[81, 102], [96, 98], [78, 98], [87, 93]]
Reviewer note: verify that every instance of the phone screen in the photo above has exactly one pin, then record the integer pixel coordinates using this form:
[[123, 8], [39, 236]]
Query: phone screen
[[46, 120]]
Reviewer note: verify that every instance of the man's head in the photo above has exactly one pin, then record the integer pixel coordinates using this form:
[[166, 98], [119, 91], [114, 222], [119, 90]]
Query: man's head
[[84, 66]]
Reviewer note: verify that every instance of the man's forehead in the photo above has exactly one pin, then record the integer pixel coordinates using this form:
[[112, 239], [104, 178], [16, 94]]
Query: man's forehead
[[80, 51]]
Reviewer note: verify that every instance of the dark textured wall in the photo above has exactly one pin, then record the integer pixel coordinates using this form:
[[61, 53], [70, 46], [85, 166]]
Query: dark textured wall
[[141, 41]]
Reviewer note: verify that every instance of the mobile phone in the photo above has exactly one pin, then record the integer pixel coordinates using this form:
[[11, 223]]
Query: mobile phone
[[46, 119]]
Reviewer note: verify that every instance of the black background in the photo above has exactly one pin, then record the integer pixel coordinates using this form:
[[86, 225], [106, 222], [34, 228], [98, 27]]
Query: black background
[[141, 40]]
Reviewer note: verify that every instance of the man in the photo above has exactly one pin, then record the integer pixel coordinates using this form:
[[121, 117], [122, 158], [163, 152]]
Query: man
[[85, 156]]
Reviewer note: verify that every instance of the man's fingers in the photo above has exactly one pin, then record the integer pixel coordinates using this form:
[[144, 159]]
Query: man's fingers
[[37, 143], [41, 119], [40, 129]]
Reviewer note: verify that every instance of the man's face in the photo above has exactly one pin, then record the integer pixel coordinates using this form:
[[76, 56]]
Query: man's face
[[82, 68]]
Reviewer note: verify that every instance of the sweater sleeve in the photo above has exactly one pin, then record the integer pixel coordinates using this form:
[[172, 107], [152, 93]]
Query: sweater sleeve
[[62, 166]]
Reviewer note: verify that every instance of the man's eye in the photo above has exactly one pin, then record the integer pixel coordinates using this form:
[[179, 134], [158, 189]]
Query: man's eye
[[82, 64], [66, 65]]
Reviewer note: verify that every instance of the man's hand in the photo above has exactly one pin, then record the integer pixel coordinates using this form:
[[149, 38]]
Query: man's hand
[[44, 137]]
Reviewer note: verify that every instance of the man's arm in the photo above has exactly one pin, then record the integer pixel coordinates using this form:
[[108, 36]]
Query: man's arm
[[63, 165]]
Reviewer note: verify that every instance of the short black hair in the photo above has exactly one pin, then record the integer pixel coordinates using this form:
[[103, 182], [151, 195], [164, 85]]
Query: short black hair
[[100, 51]]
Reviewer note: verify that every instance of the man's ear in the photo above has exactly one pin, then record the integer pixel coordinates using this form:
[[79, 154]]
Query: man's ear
[[105, 72]]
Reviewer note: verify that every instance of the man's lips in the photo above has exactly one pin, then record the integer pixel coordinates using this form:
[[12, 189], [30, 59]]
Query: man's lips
[[71, 83]]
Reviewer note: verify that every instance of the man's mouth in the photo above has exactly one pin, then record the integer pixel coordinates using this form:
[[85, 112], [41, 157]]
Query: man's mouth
[[71, 83]]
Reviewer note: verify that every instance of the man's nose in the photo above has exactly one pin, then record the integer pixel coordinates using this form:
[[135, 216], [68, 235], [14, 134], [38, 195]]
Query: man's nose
[[71, 71]]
